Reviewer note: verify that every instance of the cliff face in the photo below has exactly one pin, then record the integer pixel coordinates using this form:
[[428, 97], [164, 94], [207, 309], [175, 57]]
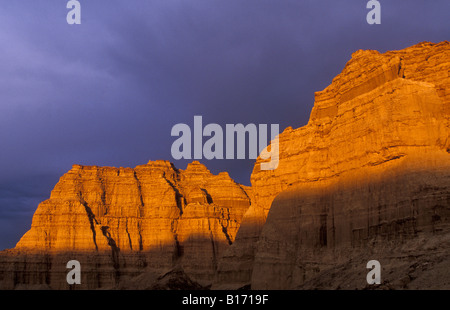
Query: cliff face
[[121, 222], [375, 151], [367, 178], [322, 236]]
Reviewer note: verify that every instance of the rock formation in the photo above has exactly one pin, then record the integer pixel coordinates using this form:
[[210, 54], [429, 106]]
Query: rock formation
[[372, 161], [367, 178], [122, 222]]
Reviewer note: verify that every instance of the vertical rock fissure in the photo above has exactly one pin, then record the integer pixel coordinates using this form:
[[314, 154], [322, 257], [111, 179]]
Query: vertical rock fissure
[[178, 195], [179, 250], [401, 69], [112, 243], [141, 207], [213, 245], [245, 192], [225, 231], [128, 234], [209, 199], [114, 250], [104, 210], [91, 217], [224, 222], [141, 247]]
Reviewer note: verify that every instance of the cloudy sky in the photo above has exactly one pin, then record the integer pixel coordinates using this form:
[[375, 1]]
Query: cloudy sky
[[108, 91]]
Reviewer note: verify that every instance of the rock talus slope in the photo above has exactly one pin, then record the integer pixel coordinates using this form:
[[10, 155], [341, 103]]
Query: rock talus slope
[[373, 162]]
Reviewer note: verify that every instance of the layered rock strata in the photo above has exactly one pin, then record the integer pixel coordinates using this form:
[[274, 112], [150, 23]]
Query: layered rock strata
[[383, 123], [122, 222], [367, 178]]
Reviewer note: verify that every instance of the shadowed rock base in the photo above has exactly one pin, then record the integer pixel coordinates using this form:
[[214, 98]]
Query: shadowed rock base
[[322, 236]]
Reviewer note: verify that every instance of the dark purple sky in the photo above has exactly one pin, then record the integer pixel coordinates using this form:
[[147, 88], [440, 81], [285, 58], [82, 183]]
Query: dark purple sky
[[107, 92]]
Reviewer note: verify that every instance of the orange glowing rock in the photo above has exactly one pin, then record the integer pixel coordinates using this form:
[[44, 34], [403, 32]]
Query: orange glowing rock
[[384, 120]]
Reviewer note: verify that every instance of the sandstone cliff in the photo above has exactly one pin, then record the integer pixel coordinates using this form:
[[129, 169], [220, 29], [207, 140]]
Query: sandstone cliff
[[372, 161], [123, 222], [367, 178]]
